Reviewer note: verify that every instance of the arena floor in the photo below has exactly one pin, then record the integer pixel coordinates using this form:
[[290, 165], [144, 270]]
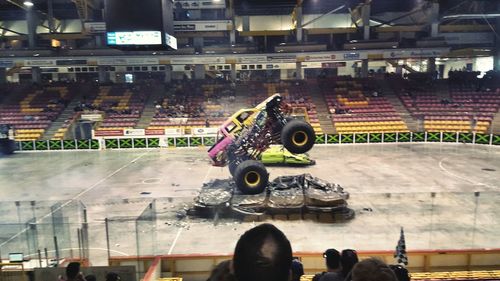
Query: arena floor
[[429, 189]]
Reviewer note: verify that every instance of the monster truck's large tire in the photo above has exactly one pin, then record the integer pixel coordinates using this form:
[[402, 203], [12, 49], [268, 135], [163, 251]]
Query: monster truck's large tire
[[232, 168], [251, 177], [7, 146], [298, 136]]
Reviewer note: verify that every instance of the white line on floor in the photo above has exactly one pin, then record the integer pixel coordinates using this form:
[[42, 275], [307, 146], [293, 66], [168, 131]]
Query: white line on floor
[[175, 241], [208, 173], [441, 166], [78, 195]]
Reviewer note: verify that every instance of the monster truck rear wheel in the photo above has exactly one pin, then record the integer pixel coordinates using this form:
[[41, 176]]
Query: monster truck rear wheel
[[298, 136], [251, 177], [7, 146]]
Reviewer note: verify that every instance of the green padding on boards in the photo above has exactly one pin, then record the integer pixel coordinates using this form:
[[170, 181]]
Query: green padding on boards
[[83, 144], [55, 144], [432, 136], [449, 137], [320, 139], [209, 141], [41, 145], [361, 138], [111, 143], [27, 145], [139, 143], [389, 137], [171, 142], [496, 140], [418, 137], [181, 142], [347, 138], [125, 143], [153, 143], [482, 139], [465, 137], [332, 139], [404, 137], [195, 141], [69, 144], [94, 144], [375, 137]]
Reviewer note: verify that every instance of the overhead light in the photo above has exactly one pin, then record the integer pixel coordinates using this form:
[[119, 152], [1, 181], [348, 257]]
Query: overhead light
[[28, 3]]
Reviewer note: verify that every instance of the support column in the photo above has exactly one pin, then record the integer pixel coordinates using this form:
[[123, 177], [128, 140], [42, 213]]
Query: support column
[[199, 72], [198, 44], [399, 70], [168, 74], [365, 16], [31, 18], [435, 19], [496, 57], [233, 72], [36, 74], [298, 15], [364, 68], [103, 75], [50, 16], [299, 71], [431, 67], [3, 75]]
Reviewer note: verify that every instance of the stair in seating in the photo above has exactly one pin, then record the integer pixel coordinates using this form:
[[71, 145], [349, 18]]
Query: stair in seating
[[495, 124], [323, 112], [149, 112]]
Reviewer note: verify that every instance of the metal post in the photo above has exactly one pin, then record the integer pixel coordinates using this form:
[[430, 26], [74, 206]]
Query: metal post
[[107, 238], [56, 246], [46, 257], [79, 234], [40, 258]]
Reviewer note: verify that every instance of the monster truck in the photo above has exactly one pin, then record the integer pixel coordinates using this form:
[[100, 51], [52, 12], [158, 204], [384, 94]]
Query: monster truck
[[7, 144], [249, 132]]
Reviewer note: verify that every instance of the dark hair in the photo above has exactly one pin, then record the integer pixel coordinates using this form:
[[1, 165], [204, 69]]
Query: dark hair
[[262, 253], [401, 272], [72, 270], [372, 269], [111, 276], [222, 272], [332, 258], [90, 277], [297, 270], [348, 258]]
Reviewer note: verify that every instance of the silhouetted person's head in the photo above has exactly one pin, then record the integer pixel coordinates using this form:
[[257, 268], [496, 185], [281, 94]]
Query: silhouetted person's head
[[222, 272], [72, 270], [90, 277], [348, 258], [372, 269], [262, 253], [332, 259], [111, 276]]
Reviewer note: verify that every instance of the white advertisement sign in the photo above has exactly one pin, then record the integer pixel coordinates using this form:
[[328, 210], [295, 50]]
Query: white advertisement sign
[[39, 62], [460, 38], [135, 132], [128, 61], [95, 27], [198, 60], [174, 131], [204, 131], [252, 59], [213, 25], [416, 53], [200, 4]]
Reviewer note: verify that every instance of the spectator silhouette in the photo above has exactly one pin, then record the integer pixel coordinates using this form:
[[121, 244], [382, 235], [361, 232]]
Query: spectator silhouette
[[348, 259], [333, 273], [112, 276], [73, 273], [222, 272], [372, 269], [262, 253], [297, 270]]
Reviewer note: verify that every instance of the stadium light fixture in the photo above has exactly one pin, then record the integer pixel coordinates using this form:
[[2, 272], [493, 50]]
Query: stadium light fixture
[[28, 3]]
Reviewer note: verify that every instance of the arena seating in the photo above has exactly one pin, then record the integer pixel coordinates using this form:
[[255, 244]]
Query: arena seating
[[353, 111], [122, 105], [33, 110]]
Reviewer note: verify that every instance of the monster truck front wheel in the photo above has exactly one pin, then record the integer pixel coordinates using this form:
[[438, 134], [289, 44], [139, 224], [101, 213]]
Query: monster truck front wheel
[[298, 136], [251, 177]]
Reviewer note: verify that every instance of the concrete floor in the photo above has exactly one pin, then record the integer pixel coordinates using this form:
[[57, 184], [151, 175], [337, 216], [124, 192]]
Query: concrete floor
[[426, 188]]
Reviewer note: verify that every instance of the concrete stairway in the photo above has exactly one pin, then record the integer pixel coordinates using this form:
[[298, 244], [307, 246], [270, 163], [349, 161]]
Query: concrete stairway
[[322, 109], [241, 97], [56, 125], [495, 124], [148, 114], [413, 124]]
